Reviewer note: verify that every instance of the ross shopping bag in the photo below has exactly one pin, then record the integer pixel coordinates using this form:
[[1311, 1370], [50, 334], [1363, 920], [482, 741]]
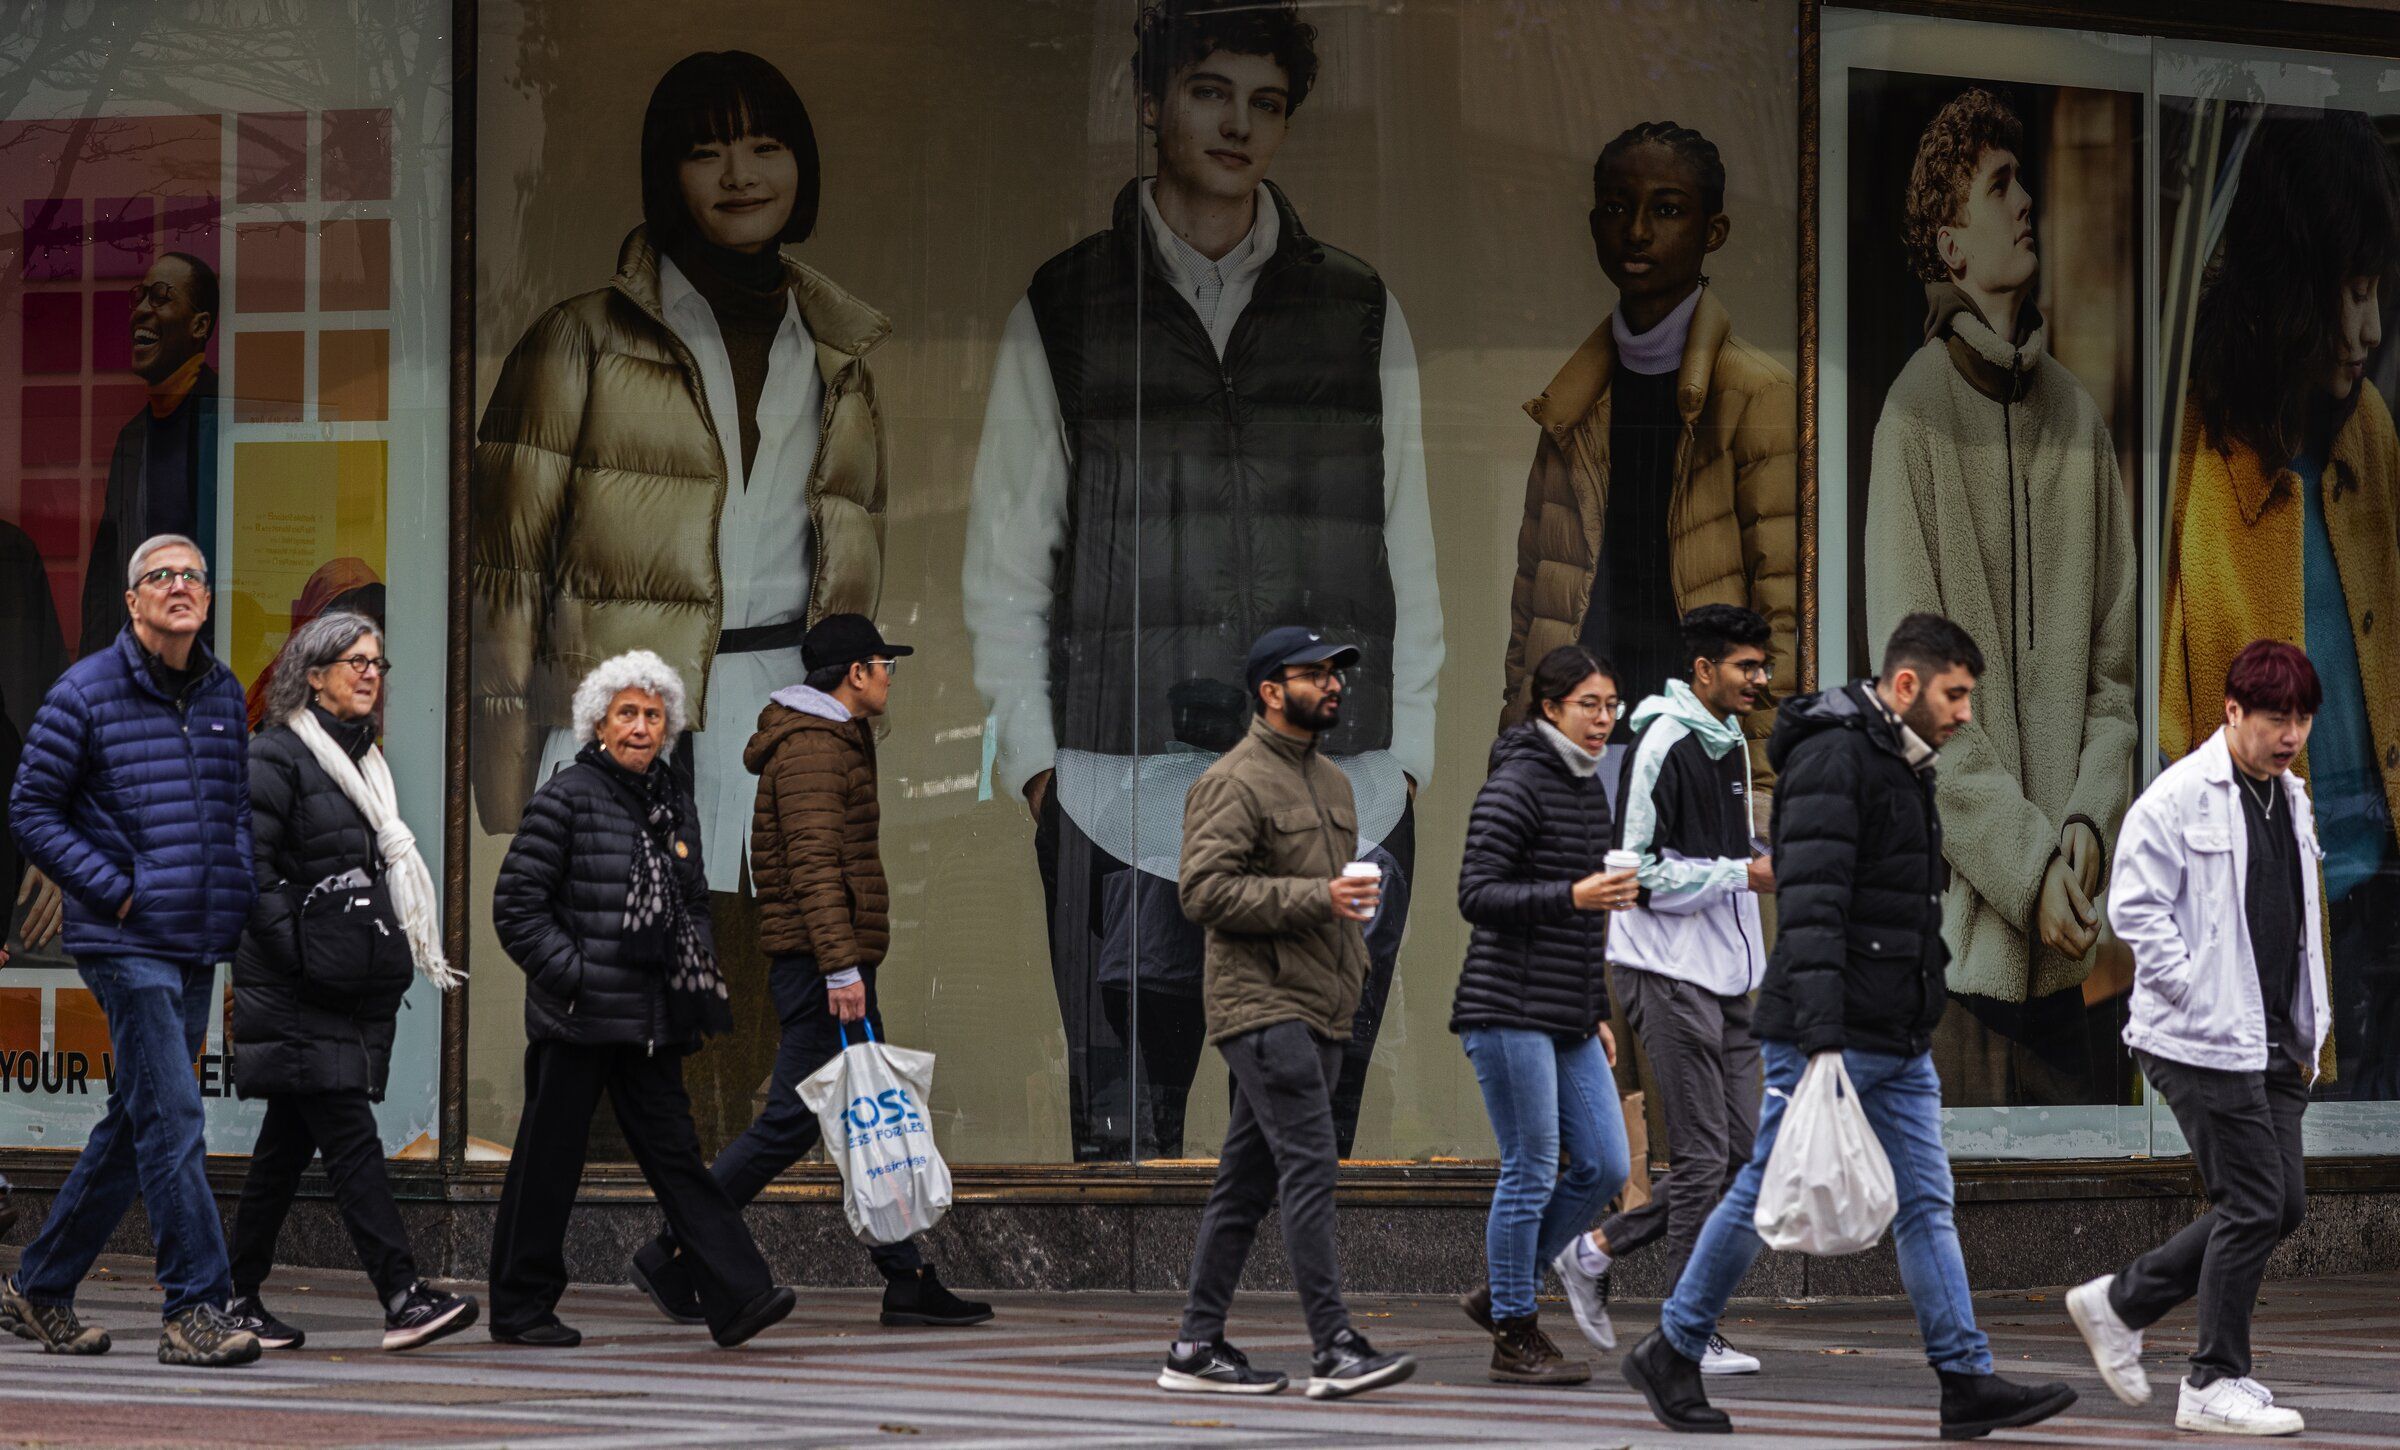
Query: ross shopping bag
[[870, 1101], [1828, 1187]]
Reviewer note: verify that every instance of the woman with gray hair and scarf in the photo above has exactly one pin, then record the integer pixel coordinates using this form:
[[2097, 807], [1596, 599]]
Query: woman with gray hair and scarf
[[344, 923], [603, 900]]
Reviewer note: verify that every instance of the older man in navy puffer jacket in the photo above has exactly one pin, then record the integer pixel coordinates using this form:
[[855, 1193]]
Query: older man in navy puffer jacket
[[134, 797]]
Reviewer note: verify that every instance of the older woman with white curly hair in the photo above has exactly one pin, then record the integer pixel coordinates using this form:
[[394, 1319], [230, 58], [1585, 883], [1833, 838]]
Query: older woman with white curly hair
[[603, 900]]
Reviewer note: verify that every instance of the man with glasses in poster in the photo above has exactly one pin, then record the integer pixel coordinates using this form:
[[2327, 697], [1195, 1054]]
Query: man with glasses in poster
[[1204, 423], [162, 474], [134, 797]]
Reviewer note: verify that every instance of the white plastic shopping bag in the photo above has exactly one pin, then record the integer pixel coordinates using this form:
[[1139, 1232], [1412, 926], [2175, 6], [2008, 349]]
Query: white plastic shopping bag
[[870, 1101], [1828, 1187]]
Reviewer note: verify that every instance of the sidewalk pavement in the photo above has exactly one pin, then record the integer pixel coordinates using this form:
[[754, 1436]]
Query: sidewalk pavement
[[1067, 1372]]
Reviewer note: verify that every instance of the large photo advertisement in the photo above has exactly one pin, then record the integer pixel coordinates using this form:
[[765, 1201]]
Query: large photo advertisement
[[1073, 402], [1990, 341], [222, 317], [2279, 223]]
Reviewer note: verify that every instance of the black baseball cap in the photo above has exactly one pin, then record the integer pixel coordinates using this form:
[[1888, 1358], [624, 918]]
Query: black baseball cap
[[1294, 644], [845, 639]]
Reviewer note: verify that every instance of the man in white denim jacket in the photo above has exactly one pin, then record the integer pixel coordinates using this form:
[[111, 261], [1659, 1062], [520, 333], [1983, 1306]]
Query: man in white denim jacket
[[2217, 890]]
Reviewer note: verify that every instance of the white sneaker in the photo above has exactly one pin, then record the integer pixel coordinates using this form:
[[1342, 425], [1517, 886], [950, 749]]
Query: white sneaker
[[1723, 1358], [2116, 1348], [2234, 1407], [1587, 1295]]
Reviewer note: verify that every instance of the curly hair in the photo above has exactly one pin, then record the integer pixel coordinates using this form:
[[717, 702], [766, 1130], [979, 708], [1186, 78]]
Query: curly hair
[[313, 646], [1948, 152], [1689, 146], [2317, 206], [633, 670], [1173, 34]]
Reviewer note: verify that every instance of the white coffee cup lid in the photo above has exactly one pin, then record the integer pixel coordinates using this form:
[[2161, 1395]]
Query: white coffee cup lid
[[1362, 868]]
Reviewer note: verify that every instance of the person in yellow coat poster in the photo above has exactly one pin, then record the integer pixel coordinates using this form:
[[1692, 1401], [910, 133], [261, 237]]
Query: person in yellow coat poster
[[2286, 525]]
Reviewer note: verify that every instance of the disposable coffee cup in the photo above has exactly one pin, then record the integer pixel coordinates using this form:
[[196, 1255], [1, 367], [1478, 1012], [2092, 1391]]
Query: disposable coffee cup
[[1367, 871], [1621, 861]]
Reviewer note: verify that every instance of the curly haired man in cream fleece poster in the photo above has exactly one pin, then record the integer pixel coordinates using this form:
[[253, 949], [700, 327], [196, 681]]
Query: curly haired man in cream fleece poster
[[1994, 498]]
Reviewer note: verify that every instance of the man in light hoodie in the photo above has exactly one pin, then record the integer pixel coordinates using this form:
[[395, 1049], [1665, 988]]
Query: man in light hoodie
[[1688, 955], [2219, 894], [824, 923]]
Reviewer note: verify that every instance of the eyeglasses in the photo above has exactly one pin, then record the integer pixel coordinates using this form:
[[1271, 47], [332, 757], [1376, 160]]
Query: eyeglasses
[[1318, 677], [360, 664], [1595, 704], [167, 579], [890, 667], [1749, 669], [157, 294]]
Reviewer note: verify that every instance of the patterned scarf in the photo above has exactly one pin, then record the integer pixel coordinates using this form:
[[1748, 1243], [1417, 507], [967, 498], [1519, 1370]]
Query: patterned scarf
[[697, 1002]]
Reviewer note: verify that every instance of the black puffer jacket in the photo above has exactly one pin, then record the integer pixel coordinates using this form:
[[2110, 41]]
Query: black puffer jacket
[[559, 907], [1534, 961], [1859, 956], [305, 830]]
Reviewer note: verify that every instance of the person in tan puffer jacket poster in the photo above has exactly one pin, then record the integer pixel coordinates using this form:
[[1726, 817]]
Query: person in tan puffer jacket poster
[[688, 460]]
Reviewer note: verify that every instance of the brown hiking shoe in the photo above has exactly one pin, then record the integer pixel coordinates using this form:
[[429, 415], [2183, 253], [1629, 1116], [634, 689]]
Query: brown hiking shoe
[[52, 1326], [1523, 1355], [204, 1336]]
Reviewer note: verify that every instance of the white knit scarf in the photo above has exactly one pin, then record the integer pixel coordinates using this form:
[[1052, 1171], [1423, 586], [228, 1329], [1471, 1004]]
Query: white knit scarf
[[368, 783]]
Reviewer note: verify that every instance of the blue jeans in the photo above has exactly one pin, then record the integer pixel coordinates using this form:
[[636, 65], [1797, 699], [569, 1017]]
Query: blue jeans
[[148, 1142], [1903, 1100], [1545, 1098]]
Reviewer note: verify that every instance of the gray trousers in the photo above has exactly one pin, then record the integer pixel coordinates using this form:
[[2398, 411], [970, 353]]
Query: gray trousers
[[1279, 1144], [1706, 1063]]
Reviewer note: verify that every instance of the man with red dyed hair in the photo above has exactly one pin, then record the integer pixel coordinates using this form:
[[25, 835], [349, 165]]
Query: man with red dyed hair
[[2216, 891]]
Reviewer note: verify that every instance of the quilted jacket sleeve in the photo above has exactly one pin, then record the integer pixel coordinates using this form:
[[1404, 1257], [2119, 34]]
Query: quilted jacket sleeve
[[274, 916], [1494, 888], [809, 778], [1766, 500], [525, 900], [1816, 864], [524, 456], [55, 761]]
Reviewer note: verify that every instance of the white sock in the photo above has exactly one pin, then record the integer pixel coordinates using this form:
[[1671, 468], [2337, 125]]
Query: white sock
[[1590, 1256], [1186, 1348]]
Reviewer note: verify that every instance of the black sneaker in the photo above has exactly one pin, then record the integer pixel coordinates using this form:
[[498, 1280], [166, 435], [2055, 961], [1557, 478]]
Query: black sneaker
[[1350, 1366], [1218, 1369], [52, 1326], [659, 1272], [760, 1314], [248, 1313], [549, 1334], [204, 1336], [921, 1299], [426, 1314]]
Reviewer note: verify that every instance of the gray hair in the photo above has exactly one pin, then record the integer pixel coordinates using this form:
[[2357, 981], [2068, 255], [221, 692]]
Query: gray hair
[[137, 566], [633, 670], [313, 646]]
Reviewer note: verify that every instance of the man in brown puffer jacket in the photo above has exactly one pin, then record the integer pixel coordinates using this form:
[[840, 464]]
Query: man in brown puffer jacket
[[823, 909]]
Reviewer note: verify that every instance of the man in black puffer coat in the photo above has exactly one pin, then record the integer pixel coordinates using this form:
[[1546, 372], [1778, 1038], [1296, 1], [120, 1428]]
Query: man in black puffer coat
[[605, 1009], [1857, 971]]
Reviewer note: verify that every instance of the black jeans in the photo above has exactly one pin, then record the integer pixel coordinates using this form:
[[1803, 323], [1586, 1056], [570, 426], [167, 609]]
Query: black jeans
[[2244, 1128], [1129, 1083], [563, 1083], [342, 1127], [1706, 1064], [785, 1130], [1278, 1146]]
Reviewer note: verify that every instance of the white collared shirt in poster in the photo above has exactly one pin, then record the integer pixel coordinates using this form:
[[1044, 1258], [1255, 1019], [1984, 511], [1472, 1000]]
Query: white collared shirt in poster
[[763, 546], [1016, 525]]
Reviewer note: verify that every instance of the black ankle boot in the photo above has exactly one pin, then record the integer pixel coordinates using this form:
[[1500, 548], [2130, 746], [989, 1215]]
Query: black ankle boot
[[921, 1299], [1671, 1384], [1523, 1355], [1974, 1405]]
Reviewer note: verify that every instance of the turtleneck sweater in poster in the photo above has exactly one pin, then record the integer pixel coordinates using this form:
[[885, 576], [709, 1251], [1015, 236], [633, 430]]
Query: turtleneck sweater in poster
[[1632, 619], [745, 291]]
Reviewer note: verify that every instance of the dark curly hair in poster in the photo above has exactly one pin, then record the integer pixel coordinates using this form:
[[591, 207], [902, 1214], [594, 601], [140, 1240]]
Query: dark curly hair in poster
[[714, 96], [1953, 143], [1173, 34], [1689, 146], [2316, 208]]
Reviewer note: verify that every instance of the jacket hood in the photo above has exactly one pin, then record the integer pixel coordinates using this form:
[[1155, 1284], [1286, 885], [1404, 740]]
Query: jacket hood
[[788, 712], [1680, 704], [1998, 369], [1585, 380], [1845, 708]]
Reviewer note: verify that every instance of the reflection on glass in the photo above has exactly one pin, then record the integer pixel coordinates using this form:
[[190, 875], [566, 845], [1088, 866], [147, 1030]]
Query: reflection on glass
[[1203, 424], [1994, 497], [2286, 520]]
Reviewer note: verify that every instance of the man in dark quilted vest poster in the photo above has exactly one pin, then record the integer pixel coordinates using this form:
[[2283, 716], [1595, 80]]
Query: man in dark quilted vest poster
[[1204, 423]]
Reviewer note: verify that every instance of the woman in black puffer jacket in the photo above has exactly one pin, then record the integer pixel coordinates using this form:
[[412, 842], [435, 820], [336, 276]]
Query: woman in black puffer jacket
[[603, 900], [1532, 999], [313, 1025]]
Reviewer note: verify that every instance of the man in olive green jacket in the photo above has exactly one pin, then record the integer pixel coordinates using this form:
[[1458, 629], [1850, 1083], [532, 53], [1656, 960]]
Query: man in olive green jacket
[[1267, 833]]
